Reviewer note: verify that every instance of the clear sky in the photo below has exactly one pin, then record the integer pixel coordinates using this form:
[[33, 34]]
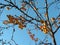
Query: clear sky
[[21, 37]]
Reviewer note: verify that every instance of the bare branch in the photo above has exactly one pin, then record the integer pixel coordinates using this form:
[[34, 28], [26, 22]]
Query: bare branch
[[53, 3], [34, 9], [55, 19], [56, 29]]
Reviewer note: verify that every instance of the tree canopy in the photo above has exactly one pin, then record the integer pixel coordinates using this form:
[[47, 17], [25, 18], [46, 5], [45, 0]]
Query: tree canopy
[[37, 19]]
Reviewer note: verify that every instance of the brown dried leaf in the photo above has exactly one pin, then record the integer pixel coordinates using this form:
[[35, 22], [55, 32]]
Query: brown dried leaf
[[5, 22], [42, 21], [8, 8], [23, 8], [32, 37], [21, 25], [22, 19], [11, 18], [29, 32], [52, 19], [16, 21]]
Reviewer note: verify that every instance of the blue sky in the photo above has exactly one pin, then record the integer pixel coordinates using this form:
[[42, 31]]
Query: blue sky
[[21, 37]]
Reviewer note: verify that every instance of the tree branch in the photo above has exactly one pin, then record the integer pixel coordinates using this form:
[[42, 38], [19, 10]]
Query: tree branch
[[56, 30], [22, 11], [55, 19], [53, 38], [34, 10]]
